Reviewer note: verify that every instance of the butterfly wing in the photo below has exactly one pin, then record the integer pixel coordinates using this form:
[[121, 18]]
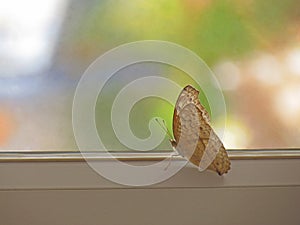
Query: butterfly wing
[[194, 137], [189, 95]]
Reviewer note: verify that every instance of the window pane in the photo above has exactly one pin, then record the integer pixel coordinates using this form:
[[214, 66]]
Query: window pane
[[253, 48]]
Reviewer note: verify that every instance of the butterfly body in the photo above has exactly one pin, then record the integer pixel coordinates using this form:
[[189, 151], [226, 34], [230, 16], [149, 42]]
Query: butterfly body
[[193, 136]]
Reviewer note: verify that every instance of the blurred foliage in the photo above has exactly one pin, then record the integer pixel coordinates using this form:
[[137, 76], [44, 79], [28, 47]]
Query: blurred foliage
[[213, 29], [220, 32], [272, 16], [116, 22]]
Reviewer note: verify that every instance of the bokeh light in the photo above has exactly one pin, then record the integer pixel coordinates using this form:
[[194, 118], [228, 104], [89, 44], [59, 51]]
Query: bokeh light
[[293, 61], [228, 75], [287, 104]]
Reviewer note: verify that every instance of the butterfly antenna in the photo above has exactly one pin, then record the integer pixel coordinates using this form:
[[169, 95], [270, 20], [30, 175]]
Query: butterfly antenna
[[167, 130], [164, 127]]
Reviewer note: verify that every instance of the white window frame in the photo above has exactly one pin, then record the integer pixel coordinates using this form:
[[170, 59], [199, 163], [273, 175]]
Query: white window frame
[[262, 187], [249, 168]]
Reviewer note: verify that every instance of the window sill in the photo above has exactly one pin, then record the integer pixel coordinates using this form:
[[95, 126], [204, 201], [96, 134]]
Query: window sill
[[63, 189], [55, 156], [70, 171]]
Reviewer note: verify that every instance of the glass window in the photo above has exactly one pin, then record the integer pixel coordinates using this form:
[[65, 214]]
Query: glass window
[[253, 48]]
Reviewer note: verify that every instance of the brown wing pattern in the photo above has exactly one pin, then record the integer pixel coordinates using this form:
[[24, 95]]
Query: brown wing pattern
[[190, 95], [194, 137]]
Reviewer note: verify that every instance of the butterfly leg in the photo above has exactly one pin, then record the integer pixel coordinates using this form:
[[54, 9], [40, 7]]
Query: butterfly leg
[[170, 159]]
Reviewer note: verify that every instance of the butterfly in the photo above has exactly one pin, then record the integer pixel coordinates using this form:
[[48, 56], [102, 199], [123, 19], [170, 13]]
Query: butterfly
[[194, 138]]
